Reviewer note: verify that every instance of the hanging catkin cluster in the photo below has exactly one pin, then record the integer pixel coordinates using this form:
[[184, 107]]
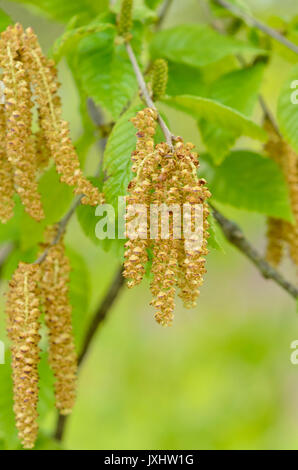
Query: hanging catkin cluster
[[33, 289], [24, 154], [165, 177], [281, 233], [23, 314], [62, 354]]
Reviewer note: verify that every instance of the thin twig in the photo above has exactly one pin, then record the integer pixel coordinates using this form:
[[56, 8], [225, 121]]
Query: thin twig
[[235, 236], [258, 24], [146, 95], [163, 13], [97, 320], [61, 229], [231, 231]]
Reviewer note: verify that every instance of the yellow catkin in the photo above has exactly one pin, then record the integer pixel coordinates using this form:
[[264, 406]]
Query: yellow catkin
[[42, 153], [159, 79], [136, 254], [275, 240], [23, 312], [62, 354], [169, 178], [43, 76], [125, 19], [192, 260], [292, 179], [286, 158], [18, 104], [6, 175]]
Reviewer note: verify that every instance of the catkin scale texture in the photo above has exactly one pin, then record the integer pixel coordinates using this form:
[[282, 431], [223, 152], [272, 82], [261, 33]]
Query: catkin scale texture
[[279, 232], [43, 75], [23, 312], [29, 77], [57, 308], [166, 177], [18, 104], [6, 175]]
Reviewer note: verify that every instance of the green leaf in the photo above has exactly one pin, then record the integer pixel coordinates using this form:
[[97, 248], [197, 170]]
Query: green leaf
[[153, 3], [214, 235], [221, 117], [184, 77], [5, 20], [117, 156], [287, 110], [197, 45], [238, 90], [69, 40], [247, 180], [105, 72], [64, 10]]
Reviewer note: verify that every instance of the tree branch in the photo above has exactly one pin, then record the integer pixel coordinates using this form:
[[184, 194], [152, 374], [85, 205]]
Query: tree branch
[[102, 311], [61, 229], [258, 24], [231, 231], [146, 95], [163, 13], [235, 236], [97, 320]]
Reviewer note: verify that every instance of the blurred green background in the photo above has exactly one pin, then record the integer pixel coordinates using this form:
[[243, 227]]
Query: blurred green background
[[221, 377]]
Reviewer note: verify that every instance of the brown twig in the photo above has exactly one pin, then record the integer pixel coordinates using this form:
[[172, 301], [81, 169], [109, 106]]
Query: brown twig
[[163, 13], [61, 229], [100, 315], [235, 236], [257, 24]]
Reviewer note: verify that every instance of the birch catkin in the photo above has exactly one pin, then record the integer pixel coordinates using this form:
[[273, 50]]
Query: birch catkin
[[6, 175], [43, 76], [18, 106], [279, 232], [55, 292], [29, 77], [165, 178], [23, 312]]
